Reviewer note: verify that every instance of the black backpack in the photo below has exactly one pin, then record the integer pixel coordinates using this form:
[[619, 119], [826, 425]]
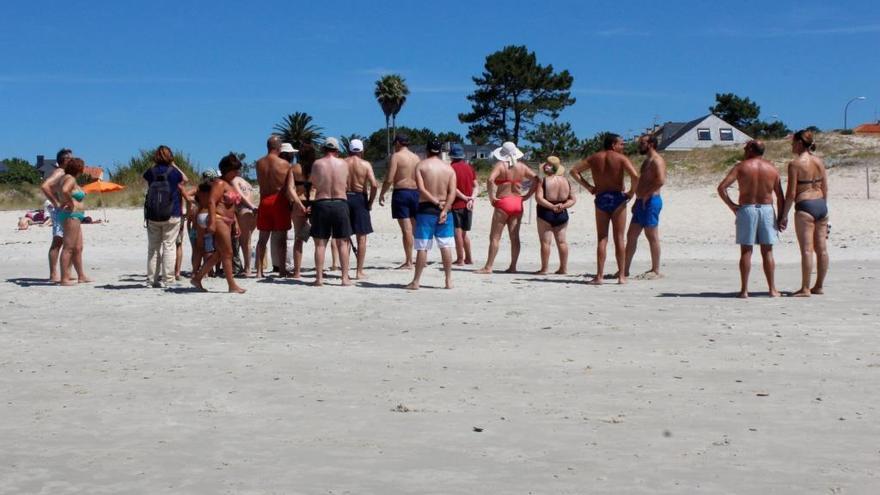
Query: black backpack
[[159, 203]]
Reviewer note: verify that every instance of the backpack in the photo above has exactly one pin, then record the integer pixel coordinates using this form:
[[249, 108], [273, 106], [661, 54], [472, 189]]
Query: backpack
[[159, 202]]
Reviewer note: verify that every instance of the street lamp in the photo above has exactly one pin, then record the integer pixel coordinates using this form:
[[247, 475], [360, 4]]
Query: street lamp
[[846, 109]]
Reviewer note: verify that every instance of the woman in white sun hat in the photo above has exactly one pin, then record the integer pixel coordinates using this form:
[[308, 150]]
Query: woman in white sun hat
[[505, 193]]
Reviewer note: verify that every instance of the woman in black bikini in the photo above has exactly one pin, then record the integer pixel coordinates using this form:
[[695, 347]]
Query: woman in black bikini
[[299, 191], [808, 192], [554, 197]]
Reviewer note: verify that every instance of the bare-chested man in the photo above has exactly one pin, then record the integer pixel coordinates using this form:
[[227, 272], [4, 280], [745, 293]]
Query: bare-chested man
[[329, 215], [48, 189], [756, 222], [360, 178], [405, 198], [436, 181], [274, 212], [646, 210], [608, 168]]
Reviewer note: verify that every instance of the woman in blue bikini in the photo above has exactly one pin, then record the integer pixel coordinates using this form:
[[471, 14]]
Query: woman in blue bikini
[[71, 215]]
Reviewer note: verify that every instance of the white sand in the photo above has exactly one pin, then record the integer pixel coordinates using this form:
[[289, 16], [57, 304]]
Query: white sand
[[667, 386]]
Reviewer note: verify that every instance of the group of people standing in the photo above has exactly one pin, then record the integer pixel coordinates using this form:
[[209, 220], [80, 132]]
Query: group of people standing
[[329, 199]]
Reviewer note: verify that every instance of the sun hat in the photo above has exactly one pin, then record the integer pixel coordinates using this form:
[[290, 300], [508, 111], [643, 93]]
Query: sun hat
[[457, 151], [554, 161], [356, 146], [288, 148], [331, 143], [508, 152]]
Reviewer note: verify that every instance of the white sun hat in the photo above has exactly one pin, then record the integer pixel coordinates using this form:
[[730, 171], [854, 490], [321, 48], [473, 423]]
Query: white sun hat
[[507, 151]]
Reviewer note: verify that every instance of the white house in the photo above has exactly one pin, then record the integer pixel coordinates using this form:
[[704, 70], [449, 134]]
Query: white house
[[704, 132]]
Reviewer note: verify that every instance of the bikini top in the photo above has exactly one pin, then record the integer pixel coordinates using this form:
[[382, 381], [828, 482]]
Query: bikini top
[[78, 195], [231, 198], [810, 181]]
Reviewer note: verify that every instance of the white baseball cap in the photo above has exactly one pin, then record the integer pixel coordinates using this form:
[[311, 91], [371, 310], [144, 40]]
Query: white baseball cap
[[356, 146]]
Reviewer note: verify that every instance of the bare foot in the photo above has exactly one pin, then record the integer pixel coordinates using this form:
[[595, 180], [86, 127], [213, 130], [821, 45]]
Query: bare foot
[[597, 280], [405, 266], [801, 293], [54, 280], [510, 269], [67, 283], [197, 284], [540, 272], [449, 285], [468, 261], [360, 276], [177, 277], [458, 263], [484, 271], [84, 280], [317, 284], [621, 280], [236, 290], [774, 293], [743, 295], [649, 275], [334, 269], [412, 286], [296, 275], [346, 282], [817, 290], [561, 271]]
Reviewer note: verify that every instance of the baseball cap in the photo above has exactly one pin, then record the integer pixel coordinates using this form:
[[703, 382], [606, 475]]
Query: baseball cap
[[356, 146], [288, 148], [331, 143], [434, 146]]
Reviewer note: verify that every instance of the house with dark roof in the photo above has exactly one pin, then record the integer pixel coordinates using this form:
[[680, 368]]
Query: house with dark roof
[[704, 132], [45, 167]]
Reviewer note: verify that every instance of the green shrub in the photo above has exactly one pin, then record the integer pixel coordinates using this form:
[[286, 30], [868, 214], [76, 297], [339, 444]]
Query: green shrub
[[19, 171]]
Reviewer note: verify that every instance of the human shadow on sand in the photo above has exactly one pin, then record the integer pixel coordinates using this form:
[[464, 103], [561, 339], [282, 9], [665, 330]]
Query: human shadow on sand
[[560, 280], [30, 282], [708, 295], [374, 285], [285, 281], [121, 286]]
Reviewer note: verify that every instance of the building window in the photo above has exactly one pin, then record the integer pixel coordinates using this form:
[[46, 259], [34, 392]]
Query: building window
[[725, 134], [704, 134], [482, 155]]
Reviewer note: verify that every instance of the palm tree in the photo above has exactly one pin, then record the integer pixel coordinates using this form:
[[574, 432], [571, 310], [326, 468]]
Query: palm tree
[[391, 93], [297, 129]]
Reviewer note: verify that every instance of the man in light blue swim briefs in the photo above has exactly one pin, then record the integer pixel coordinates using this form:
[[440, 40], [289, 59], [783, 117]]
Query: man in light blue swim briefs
[[756, 222]]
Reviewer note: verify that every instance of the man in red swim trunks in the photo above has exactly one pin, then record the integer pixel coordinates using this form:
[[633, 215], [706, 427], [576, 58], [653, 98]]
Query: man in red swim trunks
[[274, 213]]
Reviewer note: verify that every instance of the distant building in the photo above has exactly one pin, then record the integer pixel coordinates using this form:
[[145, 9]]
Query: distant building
[[704, 132], [871, 129], [46, 167], [3, 168]]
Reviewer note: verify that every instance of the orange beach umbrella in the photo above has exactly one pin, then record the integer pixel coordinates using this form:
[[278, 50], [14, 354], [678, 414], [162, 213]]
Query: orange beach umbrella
[[102, 187]]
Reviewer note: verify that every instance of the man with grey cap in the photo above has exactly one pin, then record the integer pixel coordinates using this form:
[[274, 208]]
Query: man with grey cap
[[329, 216], [360, 178], [274, 212], [467, 189]]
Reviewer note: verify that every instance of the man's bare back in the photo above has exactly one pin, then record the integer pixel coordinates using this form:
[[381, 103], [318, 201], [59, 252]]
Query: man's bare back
[[360, 173], [403, 166], [756, 179], [438, 180], [608, 169], [271, 174], [330, 178]]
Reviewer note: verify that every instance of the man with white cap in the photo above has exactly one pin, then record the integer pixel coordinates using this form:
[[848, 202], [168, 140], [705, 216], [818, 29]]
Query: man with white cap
[[405, 198], [467, 188], [329, 215], [504, 186], [360, 178], [274, 212]]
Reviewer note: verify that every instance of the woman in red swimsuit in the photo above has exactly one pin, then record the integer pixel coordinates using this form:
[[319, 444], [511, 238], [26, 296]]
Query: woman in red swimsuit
[[221, 222], [505, 194]]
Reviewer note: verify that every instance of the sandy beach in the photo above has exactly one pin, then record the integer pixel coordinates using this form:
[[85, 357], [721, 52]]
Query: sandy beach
[[507, 384]]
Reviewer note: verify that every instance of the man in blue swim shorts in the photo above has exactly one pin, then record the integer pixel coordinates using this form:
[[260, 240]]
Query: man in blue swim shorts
[[608, 168], [436, 181], [405, 198], [756, 222], [646, 209]]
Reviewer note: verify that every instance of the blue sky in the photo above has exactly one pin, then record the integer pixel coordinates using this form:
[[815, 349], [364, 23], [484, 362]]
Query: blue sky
[[107, 78]]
